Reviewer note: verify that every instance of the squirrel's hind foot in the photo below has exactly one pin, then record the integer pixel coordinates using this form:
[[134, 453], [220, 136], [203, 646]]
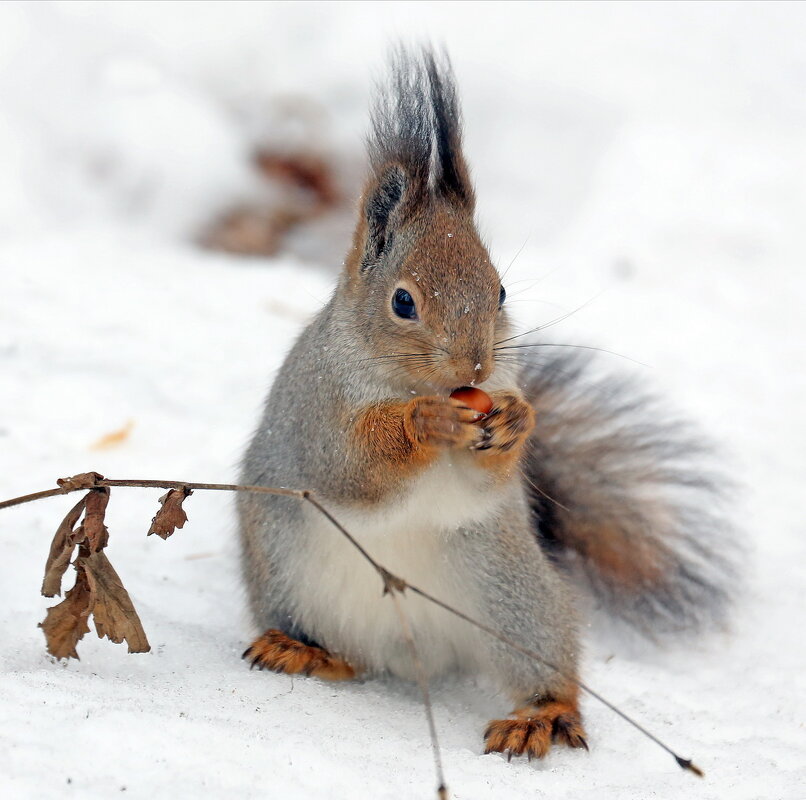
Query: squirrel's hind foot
[[534, 728], [280, 653]]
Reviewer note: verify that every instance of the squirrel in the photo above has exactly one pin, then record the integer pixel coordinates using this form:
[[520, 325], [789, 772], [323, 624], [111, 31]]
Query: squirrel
[[571, 480]]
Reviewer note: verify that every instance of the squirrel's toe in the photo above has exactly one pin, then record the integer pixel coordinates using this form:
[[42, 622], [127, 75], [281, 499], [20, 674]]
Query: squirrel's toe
[[517, 737], [534, 728]]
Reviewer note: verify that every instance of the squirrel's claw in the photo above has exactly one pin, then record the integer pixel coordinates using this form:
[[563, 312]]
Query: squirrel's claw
[[484, 442], [506, 427]]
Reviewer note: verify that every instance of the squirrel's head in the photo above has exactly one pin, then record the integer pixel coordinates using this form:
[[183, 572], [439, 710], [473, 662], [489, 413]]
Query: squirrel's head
[[425, 296]]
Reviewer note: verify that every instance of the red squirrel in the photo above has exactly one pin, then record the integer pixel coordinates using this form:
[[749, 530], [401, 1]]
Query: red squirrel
[[569, 481]]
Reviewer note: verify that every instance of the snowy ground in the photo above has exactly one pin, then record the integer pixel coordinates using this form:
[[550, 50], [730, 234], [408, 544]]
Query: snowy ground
[[651, 156]]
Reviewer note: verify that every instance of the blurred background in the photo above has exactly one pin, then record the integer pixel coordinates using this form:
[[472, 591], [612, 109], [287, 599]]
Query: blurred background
[[177, 189], [171, 119], [179, 177]]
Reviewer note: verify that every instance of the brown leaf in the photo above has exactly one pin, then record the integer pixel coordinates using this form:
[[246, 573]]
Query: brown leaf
[[95, 532], [85, 480], [66, 623], [61, 550], [113, 611], [171, 516]]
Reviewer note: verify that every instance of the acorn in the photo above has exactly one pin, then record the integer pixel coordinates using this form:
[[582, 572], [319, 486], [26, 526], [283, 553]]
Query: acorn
[[473, 398]]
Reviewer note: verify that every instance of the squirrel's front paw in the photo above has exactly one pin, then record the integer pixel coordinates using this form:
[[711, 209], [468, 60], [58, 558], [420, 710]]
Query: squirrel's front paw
[[433, 421], [507, 427]]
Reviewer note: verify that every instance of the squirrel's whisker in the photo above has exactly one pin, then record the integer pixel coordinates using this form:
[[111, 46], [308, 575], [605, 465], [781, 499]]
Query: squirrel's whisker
[[553, 321], [395, 356], [575, 346], [520, 250], [543, 493]]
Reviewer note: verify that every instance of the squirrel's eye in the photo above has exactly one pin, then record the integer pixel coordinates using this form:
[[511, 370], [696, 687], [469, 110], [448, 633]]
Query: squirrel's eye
[[502, 296], [403, 304]]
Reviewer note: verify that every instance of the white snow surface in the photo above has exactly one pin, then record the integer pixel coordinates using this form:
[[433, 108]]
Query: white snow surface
[[648, 161]]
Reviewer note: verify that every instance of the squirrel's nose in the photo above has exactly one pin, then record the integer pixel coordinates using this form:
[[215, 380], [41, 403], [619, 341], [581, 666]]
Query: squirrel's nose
[[474, 370]]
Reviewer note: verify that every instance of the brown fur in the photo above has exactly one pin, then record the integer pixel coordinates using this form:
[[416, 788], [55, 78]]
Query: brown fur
[[622, 563], [400, 439], [457, 340], [404, 438], [276, 651]]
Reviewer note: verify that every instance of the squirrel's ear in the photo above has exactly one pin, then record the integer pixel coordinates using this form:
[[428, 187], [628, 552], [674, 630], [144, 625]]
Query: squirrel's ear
[[451, 177], [382, 200]]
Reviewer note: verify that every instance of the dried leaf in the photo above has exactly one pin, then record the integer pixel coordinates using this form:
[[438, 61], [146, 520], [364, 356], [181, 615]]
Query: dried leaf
[[113, 439], [98, 590], [66, 623], [61, 550], [95, 532], [171, 516], [113, 611], [84, 480]]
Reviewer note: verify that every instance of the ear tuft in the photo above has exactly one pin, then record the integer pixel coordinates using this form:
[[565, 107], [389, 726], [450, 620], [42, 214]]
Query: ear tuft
[[451, 177], [416, 123]]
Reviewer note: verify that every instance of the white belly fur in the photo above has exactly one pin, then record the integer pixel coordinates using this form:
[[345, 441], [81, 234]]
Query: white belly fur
[[340, 599]]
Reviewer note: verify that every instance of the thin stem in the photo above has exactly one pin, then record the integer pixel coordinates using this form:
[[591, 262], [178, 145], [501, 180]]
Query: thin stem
[[392, 584], [442, 788], [29, 498], [149, 484], [384, 573], [683, 762]]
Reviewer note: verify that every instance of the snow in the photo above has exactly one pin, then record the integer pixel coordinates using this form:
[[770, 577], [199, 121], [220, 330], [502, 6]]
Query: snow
[[645, 161]]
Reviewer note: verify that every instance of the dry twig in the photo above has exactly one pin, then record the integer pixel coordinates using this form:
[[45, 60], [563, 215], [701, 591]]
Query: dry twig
[[66, 622]]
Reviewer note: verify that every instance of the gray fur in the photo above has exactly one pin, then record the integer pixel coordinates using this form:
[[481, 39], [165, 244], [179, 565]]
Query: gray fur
[[606, 458]]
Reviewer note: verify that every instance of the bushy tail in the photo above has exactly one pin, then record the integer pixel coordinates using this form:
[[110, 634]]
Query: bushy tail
[[627, 499]]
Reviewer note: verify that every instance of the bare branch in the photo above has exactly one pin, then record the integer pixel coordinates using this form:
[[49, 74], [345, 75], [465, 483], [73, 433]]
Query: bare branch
[[391, 583]]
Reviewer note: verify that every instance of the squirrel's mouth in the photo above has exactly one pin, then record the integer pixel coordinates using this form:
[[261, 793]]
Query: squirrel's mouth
[[446, 380], [472, 376]]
